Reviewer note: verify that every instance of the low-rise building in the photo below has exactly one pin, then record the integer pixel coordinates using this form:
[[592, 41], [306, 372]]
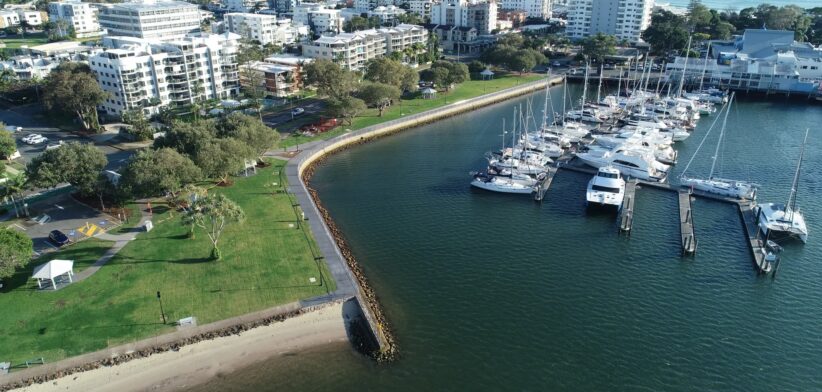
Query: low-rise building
[[277, 79], [318, 18], [9, 18], [354, 50], [461, 40], [244, 5], [540, 9], [148, 74], [14, 17], [150, 19], [78, 16], [266, 29], [387, 15]]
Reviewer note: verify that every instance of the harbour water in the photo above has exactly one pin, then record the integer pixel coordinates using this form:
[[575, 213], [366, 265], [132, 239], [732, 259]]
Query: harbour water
[[496, 292]]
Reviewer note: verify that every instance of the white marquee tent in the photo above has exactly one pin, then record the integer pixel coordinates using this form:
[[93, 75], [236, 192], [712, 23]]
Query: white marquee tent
[[53, 269]]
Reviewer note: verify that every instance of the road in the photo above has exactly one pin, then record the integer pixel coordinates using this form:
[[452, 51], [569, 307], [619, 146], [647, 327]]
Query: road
[[282, 119]]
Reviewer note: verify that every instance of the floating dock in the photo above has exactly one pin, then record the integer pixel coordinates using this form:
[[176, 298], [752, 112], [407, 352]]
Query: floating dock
[[686, 223], [626, 213], [755, 239], [542, 186]]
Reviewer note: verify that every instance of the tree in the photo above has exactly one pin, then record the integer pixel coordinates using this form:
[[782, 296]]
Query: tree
[[476, 67], [667, 32], [220, 158], [378, 95], [329, 78], [7, 143], [438, 76], [72, 89], [457, 72], [187, 138], [389, 71], [249, 130], [254, 87], [249, 52], [15, 251], [598, 46], [346, 108], [12, 188], [155, 172], [140, 127], [522, 62], [75, 163], [213, 213], [356, 23]]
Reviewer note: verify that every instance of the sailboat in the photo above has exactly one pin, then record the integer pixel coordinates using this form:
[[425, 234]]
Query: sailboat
[[718, 186], [776, 219]]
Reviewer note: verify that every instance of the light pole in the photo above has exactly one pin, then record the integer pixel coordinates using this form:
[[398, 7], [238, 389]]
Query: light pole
[[163, 313]]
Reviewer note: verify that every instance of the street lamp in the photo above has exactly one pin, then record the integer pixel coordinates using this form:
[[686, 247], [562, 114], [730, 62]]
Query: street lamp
[[163, 313]]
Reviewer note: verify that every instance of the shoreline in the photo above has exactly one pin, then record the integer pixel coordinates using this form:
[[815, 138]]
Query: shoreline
[[196, 363]]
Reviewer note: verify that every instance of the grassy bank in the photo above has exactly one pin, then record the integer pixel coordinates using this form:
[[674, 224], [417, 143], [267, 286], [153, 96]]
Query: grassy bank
[[31, 39], [416, 104], [268, 260]]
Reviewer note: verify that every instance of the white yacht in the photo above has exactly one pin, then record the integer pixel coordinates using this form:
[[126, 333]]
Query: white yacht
[[777, 220], [606, 189], [500, 184], [587, 115], [631, 163]]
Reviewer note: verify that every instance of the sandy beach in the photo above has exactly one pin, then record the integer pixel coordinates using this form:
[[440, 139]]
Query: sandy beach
[[196, 363]]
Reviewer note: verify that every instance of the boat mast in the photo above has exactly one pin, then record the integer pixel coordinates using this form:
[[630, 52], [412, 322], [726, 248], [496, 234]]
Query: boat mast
[[564, 97], [795, 184], [704, 138], [684, 67], [721, 136], [545, 106], [599, 87], [704, 67], [619, 85], [585, 87]]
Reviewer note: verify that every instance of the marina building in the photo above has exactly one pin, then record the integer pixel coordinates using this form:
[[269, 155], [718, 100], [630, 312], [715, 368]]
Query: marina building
[[533, 8], [79, 16], [477, 14], [626, 19], [145, 74], [150, 19], [266, 29], [758, 60], [354, 50]]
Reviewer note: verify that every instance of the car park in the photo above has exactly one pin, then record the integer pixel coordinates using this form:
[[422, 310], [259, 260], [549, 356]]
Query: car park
[[58, 238]]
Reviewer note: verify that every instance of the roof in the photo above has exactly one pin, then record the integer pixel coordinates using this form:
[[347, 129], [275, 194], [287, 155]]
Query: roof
[[288, 59], [270, 68], [429, 90], [53, 269], [146, 5], [65, 46], [487, 72]]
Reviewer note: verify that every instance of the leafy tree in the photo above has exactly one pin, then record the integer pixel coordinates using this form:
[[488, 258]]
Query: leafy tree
[[356, 23], [329, 78], [254, 87], [438, 76], [12, 189], [71, 88], [15, 251], [598, 46], [249, 130], [388, 71], [249, 52], [7, 144], [378, 95], [457, 72], [410, 18], [213, 213], [476, 66], [140, 127], [522, 62], [346, 108], [75, 163], [155, 172], [219, 158], [667, 32], [187, 138]]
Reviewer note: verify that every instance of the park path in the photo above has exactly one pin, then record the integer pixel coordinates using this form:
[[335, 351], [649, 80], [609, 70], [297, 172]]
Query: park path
[[120, 241]]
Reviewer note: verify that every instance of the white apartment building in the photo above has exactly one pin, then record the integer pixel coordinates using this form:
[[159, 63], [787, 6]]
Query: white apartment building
[[150, 19], [478, 14], [533, 8], [82, 17], [363, 6], [9, 18], [319, 18], [266, 29], [354, 50], [150, 74], [33, 18], [244, 5], [421, 7], [387, 14], [13, 17], [626, 19]]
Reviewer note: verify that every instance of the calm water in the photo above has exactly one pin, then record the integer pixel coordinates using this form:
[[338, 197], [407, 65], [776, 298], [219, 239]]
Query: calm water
[[491, 292], [738, 5]]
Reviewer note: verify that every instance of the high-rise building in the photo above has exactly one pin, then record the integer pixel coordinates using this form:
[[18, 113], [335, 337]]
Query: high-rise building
[[363, 6], [150, 19], [533, 8], [421, 7], [319, 18], [149, 74], [353, 50], [478, 14], [626, 19], [79, 16], [266, 29]]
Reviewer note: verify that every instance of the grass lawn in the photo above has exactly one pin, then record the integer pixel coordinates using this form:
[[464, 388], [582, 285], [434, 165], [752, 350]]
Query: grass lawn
[[413, 105], [265, 263], [31, 39]]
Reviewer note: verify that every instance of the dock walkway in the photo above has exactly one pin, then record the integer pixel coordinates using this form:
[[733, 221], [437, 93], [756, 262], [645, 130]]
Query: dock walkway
[[754, 235], [686, 223], [626, 213]]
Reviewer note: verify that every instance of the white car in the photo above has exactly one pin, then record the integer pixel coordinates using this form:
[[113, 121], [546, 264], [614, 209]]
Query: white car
[[35, 139], [297, 111]]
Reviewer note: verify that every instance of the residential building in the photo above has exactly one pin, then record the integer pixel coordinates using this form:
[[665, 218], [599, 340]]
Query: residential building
[[478, 14], [461, 40], [759, 60], [79, 16], [626, 19], [266, 29], [283, 6], [278, 80], [354, 50], [387, 14], [363, 6], [421, 8], [244, 5], [148, 74], [150, 19], [9, 18], [13, 17], [319, 18], [516, 17], [533, 8]]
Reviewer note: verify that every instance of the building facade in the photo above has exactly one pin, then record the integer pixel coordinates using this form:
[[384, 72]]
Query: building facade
[[533, 8], [421, 8], [150, 74], [354, 50], [278, 80], [318, 18], [266, 29], [13, 17], [244, 5], [387, 15], [79, 16], [481, 15], [151, 19], [626, 19]]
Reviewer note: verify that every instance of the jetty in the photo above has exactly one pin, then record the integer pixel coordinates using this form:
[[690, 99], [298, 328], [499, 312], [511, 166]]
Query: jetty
[[686, 223], [755, 240], [626, 213]]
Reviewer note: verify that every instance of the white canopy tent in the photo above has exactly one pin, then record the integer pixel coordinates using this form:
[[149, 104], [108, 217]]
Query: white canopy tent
[[53, 269]]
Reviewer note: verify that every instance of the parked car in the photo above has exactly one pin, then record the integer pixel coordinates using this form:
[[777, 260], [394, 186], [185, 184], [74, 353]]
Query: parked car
[[556, 64], [297, 111], [58, 238], [35, 138]]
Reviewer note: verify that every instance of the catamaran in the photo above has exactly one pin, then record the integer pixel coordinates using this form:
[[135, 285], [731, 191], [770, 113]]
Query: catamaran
[[778, 220], [606, 189], [719, 186]]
